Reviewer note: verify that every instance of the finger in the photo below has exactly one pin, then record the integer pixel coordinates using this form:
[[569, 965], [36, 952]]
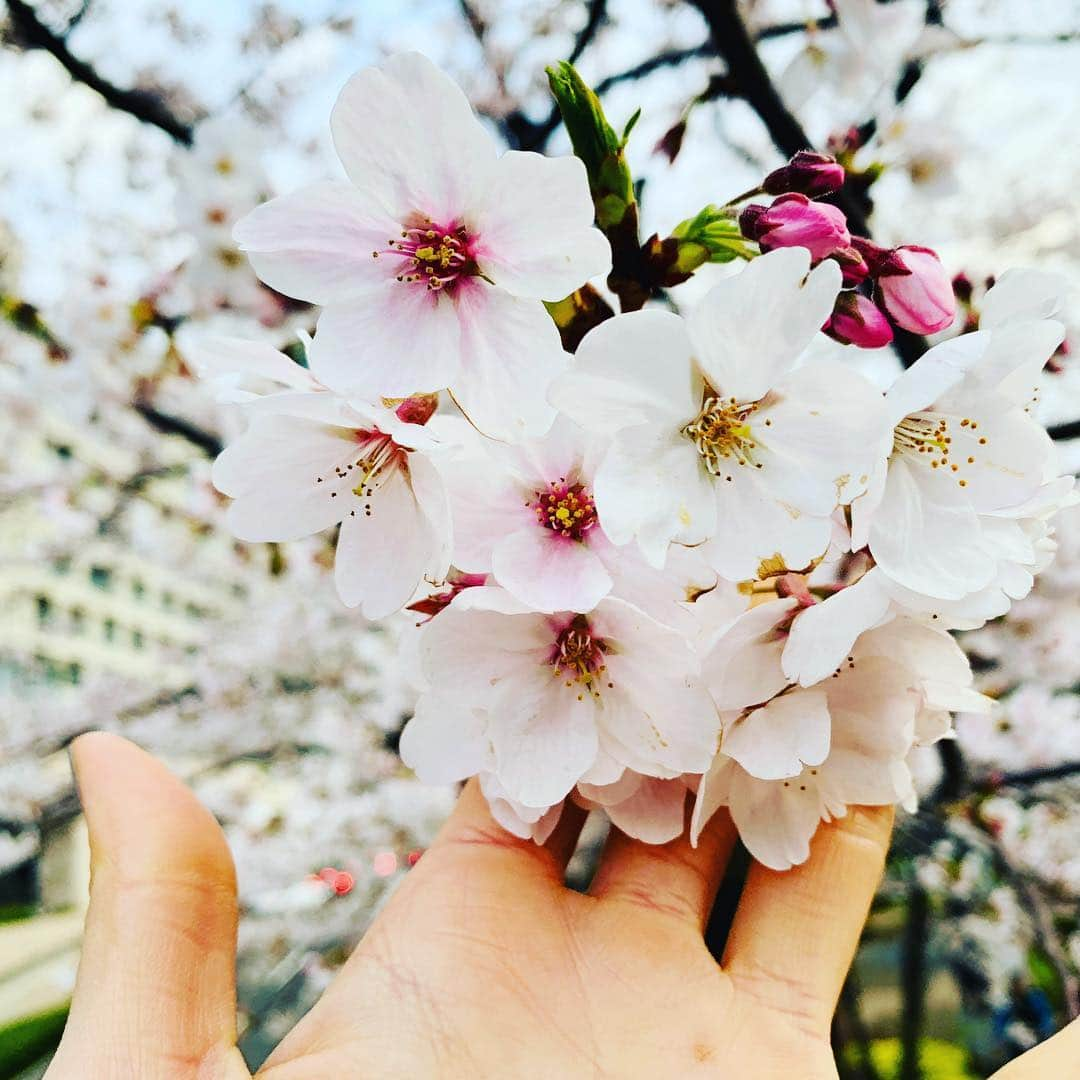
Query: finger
[[673, 878], [1055, 1057], [155, 994], [795, 931], [472, 829]]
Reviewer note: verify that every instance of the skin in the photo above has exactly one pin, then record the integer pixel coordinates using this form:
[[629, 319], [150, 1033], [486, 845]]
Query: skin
[[483, 964]]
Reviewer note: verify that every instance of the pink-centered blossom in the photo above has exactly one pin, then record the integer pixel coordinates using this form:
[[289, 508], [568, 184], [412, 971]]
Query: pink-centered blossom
[[543, 702], [310, 459], [432, 260], [527, 515], [716, 433]]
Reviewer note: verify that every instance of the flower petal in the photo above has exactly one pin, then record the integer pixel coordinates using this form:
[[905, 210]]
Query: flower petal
[[382, 557], [444, 742], [777, 740], [550, 572], [510, 352], [315, 244], [749, 329], [544, 738], [535, 227], [400, 340], [631, 370], [655, 813], [405, 132]]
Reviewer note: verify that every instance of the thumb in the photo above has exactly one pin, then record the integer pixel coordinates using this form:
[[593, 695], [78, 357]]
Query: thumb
[[156, 994]]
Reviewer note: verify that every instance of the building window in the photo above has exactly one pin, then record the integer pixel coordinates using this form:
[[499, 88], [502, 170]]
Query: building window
[[138, 589], [100, 576], [78, 620], [44, 610], [137, 639], [167, 600], [110, 629]]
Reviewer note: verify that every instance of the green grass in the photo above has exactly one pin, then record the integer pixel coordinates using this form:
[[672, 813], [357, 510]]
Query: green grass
[[29, 1039]]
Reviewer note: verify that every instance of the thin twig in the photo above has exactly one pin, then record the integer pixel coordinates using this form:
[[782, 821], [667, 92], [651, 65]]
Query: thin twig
[[144, 105], [595, 19], [167, 424], [913, 982]]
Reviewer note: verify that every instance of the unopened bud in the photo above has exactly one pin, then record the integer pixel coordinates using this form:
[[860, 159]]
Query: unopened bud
[[916, 290], [852, 264], [857, 320], [794, 221], [418, 409], [808, 173]]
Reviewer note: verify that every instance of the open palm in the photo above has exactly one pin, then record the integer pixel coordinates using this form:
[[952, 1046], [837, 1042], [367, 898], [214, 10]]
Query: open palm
[[482, 965]]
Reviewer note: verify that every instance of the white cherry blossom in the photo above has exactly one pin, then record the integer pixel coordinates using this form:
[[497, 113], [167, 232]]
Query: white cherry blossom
[[433, 259], [894, 690], [545, 701], [715, 433], [310, 460]]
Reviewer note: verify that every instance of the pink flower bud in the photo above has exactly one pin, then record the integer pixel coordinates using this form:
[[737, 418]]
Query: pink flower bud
[[857, 320], [808, 173], [794, 221], [855, 270], [418, 409], [915, 289]]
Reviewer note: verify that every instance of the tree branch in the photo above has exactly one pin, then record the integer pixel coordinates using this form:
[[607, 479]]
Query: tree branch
[[1071, 430], [144, 105], [167, 424], [596, 17]]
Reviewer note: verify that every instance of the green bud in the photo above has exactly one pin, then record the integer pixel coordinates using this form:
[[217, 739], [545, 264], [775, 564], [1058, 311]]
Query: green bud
[[712, 235], [596, 143]]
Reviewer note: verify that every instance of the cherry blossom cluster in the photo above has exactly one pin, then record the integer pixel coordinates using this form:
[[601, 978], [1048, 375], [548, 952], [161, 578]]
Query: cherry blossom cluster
[[687, 559]]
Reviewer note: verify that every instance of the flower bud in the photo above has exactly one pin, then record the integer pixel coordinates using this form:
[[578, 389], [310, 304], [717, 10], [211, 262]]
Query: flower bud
[[914, 287], [807, 173], [857, 320], [852, 264], [418, 409], [794, 221]]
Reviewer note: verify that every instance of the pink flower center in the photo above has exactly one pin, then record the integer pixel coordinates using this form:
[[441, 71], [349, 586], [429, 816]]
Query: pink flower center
[[578, 657], [567, 509], [377, 459], [433, 256]]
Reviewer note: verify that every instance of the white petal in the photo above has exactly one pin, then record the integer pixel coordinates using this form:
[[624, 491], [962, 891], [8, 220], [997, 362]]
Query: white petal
[[752, 527], [444, 742], [406, 132], [315, 244], [934, 373], [923, 541], [535, 227], [743, 667], [651, 486], [397, 341], [827, 431], [468, 653], [550, 572], [238, 360], [629, 370], [777, 740], [712, 793], [382, 557], [544, 739], [822, 636], [510, 352], [655, 813], [272, 472], [776, 819], [1022, 294], [749, 329]]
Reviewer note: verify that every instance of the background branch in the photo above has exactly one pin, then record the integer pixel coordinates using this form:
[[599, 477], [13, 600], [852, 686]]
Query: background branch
[[145, 105]]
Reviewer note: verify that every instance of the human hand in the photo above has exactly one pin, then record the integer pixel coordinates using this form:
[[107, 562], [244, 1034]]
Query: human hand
[[483, 964]]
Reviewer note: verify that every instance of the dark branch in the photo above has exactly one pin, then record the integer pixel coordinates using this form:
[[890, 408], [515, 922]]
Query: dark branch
[[526, 134], [596, 17], [1027, 777], [167, 424], [785, 29], [1071, 430], [144, 105]]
